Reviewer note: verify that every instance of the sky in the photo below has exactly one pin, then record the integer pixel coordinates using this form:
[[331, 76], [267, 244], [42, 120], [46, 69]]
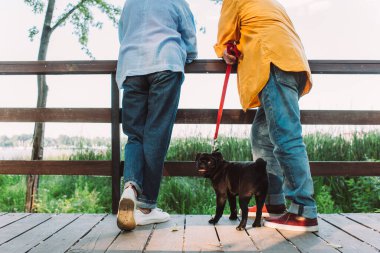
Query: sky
[[329, 29]]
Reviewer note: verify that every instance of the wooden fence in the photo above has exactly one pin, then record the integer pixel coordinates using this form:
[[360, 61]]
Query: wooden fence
[[184, 116]]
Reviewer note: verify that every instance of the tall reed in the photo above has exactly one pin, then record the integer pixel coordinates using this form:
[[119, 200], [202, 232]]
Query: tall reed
[[195, 195]]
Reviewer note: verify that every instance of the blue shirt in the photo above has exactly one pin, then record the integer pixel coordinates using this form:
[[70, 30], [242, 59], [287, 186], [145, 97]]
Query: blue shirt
[[155, 35]]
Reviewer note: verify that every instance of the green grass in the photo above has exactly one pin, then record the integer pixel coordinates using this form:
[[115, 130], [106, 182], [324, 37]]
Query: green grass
[[186, 196], [73, 194], [92, 194], [12, 193], [348, 194]]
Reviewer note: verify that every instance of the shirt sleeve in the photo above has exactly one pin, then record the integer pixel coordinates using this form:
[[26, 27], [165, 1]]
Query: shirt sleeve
[[228, 27], [121, 25], [120, 30], [188, 33]]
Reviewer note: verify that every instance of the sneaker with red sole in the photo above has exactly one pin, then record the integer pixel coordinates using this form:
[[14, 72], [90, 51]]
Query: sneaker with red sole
[[292, 222], [268, 210]]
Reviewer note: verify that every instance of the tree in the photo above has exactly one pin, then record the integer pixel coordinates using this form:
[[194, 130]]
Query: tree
[[80, 15]]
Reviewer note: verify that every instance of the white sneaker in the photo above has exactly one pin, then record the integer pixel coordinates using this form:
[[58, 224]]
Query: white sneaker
[[155, 216], [126, 212]]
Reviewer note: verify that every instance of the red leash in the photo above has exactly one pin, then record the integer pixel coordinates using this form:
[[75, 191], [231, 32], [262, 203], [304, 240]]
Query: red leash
[[231, 49]]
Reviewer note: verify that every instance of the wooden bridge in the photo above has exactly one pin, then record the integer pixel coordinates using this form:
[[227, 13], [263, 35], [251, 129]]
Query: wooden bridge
[[74, 233], [24, 232]]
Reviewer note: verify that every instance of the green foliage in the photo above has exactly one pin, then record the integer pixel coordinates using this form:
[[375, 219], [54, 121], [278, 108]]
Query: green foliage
[[16, 140], [365, 193], [186, 149], [235, 149], [5, 141], [37, 5], [12, 193], [82, 200], [333, 194], [33, 32], [187, 196], [92, 194], [89, 154], [82, 18], [346, 192], [358, 147], [74, 194], [80, 15], [325, 202]]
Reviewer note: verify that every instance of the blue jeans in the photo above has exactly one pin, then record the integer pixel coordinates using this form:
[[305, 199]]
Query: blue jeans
[[276, 136], [149, 108]]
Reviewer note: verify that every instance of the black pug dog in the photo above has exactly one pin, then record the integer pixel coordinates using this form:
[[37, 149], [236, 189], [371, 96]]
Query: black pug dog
[[231, 179]]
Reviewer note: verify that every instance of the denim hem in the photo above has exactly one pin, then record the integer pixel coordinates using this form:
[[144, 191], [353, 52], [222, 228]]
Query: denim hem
[[143, 203], [309, 212], [275, 199], [134, 184]]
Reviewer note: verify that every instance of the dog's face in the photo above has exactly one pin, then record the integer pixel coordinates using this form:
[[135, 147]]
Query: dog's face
[[207, 164]]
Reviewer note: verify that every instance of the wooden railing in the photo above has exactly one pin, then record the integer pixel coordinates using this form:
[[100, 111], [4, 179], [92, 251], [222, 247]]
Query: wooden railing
[[185, 116]]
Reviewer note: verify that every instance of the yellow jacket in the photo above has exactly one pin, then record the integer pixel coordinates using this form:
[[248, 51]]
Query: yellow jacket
[[266, 35]]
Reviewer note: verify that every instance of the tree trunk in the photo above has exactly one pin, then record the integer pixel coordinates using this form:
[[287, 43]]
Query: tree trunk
[[39, 128]]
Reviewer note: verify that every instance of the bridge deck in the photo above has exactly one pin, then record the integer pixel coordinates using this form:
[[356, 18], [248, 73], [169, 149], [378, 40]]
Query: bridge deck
[[24, 232]]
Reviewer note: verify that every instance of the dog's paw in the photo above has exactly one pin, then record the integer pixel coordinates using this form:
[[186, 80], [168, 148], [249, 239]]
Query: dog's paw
[[233, 217], [212, 221], [242, 225], [240, 228], [256, 224]]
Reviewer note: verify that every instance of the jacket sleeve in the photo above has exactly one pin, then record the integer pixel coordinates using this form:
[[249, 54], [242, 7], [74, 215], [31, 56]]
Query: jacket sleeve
[[228, 27], [188, 33]]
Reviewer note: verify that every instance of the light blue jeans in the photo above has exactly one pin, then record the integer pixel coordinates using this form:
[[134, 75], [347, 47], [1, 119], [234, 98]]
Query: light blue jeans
[[276, 136], [149, 108]]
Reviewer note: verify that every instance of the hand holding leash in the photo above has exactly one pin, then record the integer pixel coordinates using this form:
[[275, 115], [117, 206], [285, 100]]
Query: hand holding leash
[[231, 53], [229, 58]]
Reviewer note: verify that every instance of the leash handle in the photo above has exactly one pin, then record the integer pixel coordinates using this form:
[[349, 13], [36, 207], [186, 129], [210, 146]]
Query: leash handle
[[231, 49]]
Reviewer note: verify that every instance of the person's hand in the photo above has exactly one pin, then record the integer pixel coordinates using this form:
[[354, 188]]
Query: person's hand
[[229, 58]]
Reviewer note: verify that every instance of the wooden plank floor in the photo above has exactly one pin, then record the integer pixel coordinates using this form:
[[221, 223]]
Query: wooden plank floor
[[74, 233]]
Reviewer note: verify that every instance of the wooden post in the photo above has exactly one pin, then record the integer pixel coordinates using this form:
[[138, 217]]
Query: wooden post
[[115, 134]]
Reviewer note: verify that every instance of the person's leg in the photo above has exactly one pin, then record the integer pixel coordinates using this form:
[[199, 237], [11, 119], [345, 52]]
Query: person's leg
[[279, 99], [164, 93], [134, 110], [134, 113], [262, 147]]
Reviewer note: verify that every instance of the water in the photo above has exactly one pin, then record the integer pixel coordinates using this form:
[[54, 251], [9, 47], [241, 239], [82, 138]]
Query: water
[[24, 153]]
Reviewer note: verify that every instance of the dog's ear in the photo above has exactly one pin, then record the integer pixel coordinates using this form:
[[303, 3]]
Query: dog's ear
[[260, 162], [217, 155], [197, 157]]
